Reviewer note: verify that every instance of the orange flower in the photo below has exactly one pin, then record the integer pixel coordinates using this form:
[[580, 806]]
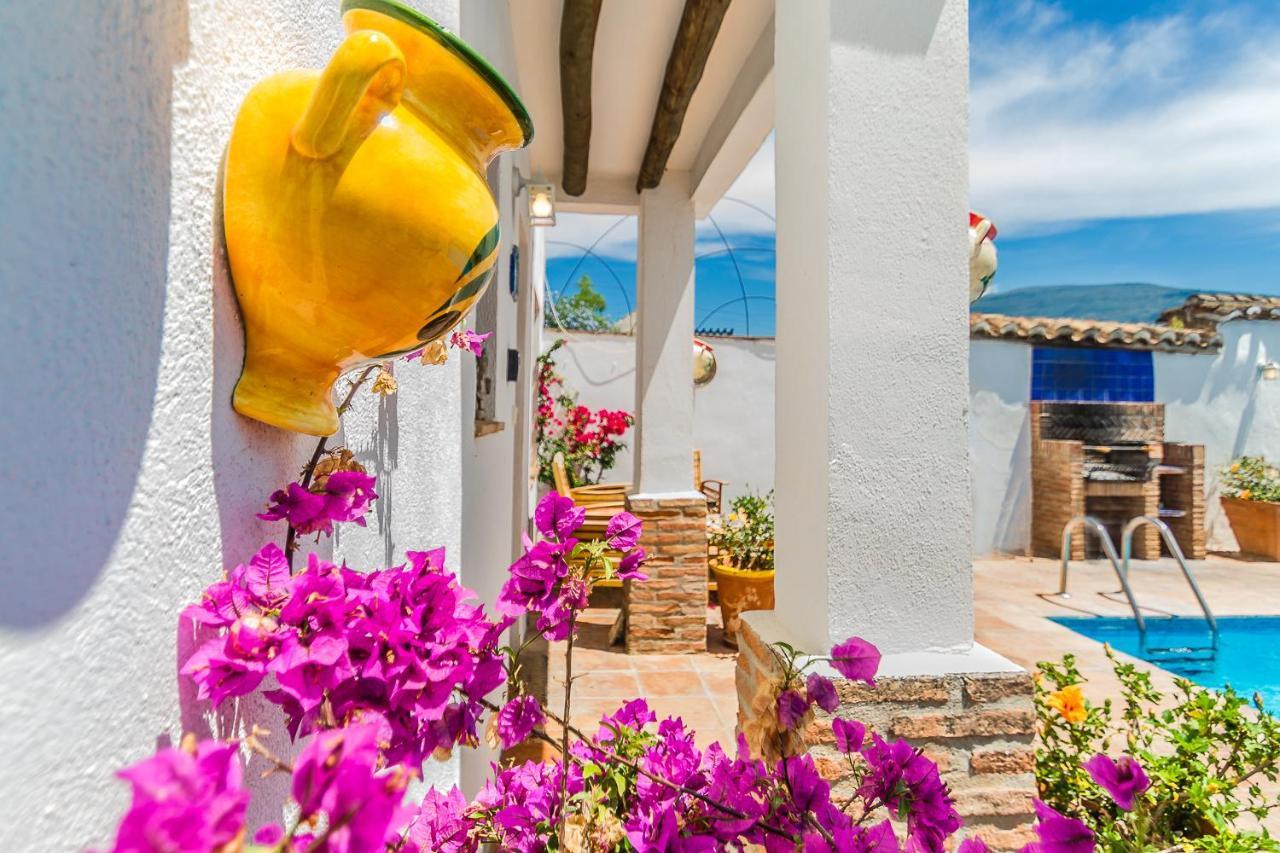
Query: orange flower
[[1245, 495], [1069, 702]]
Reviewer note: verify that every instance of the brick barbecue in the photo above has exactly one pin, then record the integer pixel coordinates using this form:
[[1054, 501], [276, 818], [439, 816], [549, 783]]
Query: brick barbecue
[[1110, 460]]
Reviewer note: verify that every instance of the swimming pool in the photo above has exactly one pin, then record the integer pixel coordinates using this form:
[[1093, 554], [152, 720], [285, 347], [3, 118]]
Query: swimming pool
[[1248, 655]]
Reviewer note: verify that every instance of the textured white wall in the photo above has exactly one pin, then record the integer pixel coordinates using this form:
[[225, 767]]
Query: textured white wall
[[1000, 446], [732, 417], [873, 495], [1222, 403], [129, 482]]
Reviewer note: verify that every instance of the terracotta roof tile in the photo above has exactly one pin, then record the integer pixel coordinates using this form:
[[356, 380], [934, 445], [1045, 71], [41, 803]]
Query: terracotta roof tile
[[1066, 331], [1207, 310]]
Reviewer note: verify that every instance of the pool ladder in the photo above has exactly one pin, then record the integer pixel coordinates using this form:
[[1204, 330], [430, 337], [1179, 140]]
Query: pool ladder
[[1121, 566]]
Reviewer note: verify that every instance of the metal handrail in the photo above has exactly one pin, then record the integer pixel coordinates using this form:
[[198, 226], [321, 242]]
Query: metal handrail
[[1108, 548], [1126, 550]]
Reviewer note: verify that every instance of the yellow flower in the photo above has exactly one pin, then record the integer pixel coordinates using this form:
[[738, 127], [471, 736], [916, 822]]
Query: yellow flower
[[1245, 495], [1235, 466], [1069, 702]]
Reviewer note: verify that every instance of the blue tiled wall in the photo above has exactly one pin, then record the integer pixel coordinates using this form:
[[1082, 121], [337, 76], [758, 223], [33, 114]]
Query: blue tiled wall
[[1099, 375]]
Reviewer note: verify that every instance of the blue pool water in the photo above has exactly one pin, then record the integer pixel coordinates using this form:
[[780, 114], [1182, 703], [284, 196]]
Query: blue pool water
[[1248, 655]]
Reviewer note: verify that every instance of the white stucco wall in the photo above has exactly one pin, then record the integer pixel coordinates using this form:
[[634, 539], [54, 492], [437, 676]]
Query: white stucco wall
[[733, 416], [129, 482], [1000, 446], [1224, 404]]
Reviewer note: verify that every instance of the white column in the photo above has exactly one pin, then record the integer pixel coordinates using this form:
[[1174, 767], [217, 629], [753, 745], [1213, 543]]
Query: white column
[[873, 504], [664, 339]]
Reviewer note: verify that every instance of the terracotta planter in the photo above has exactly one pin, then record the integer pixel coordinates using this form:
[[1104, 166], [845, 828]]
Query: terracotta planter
[[741, 590], [1256, 525]]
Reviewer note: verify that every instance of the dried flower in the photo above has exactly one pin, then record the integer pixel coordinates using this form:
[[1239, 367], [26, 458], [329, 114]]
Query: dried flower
[[385, 382]]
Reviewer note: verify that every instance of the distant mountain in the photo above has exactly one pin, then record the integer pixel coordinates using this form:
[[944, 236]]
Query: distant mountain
[[1127, 302]]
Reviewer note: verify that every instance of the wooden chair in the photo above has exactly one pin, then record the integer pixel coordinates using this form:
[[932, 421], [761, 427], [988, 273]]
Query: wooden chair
[[713, 489], [602, 502]]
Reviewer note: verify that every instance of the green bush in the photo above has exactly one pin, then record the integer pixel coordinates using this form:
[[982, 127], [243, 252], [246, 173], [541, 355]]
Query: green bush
[[1251, 478], [745, 537], [1206, 753]]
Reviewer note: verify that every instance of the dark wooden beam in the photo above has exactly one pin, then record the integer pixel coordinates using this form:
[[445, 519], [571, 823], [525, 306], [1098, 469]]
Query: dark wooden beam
[[577, 44], [699, 25]]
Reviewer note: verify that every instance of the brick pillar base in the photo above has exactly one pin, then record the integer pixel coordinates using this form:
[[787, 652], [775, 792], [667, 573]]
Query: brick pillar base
[[667, 614], [978, 727]]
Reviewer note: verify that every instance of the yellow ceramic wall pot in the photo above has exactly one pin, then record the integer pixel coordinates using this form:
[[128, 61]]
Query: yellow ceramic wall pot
[[358, 221]]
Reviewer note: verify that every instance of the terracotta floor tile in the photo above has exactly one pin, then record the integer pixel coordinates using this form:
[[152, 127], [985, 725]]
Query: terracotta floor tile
[[671, 683]]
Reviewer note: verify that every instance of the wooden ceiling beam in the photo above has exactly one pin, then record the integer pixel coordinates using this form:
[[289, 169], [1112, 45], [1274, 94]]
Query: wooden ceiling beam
[[578, 22], [699, 26]]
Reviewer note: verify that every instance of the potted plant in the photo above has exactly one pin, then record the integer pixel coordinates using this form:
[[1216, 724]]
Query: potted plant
[[1251, 498], [743, 568]]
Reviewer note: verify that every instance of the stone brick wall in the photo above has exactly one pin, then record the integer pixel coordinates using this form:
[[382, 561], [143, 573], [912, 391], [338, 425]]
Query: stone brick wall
[[667, 614], [1057, 495], [1186, 492], [978, 727]]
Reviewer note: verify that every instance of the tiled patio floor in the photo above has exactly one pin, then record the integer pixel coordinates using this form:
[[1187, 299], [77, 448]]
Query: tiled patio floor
[[697, 688]]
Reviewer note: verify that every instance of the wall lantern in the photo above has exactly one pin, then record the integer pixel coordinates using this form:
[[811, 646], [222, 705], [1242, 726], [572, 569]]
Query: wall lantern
[[704, 363], [1270, 371], [542, 201]]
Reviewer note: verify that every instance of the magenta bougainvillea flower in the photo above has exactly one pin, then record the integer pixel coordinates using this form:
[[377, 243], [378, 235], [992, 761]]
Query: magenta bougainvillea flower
[[1122, 778], [623, 531], [517, 720], [441, 825], [821, 692], [184, 800], [1059, 833], [972, 845], [791, 707], [856, 659], [849, 734], [469, 340], [336, 777], [908, 783], [403, 647], [557, 517], [629, 565], [345, 496]]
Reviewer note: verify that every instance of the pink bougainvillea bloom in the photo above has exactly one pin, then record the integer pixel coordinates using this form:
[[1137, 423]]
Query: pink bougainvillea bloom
[[557, 517], [849, 734], [821, 692], [1059, 833], [303, 509], [347, 495], [972, 845], [517, 720], [1124, 779], [183, 801], [442, 825], [467, 339], [856, 659], [629, 565], [623, 531], [791, 707]]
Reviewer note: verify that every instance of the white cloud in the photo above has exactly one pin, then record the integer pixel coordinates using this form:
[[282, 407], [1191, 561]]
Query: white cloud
[[1073, 123]]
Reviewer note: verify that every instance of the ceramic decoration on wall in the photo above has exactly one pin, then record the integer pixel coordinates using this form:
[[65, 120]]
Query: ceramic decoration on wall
[[358, 221], [982, 255], [704, 362]]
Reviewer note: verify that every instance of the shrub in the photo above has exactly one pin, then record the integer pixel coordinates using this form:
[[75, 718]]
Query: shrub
[[1251, 478], [1192, 762], [746, 535], [589, 440]]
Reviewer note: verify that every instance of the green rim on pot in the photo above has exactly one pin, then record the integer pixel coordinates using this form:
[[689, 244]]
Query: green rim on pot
[[456, 46]]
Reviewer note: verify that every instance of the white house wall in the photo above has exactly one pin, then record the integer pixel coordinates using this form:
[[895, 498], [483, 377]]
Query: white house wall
[[1000, 446], [733, 416], [1222, 403], [130, 484]]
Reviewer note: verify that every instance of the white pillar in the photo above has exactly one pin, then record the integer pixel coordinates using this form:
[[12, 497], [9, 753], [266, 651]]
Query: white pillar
[[664, 339], [873, 504]]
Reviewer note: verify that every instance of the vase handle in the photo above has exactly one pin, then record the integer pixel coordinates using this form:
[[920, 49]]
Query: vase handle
[[361, 84]]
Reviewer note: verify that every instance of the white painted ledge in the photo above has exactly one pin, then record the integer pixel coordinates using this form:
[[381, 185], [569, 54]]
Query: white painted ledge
[[668, 496], [975, 659]]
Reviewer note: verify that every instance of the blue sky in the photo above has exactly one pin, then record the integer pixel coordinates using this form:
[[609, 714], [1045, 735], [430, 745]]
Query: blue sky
[[1128, 140]]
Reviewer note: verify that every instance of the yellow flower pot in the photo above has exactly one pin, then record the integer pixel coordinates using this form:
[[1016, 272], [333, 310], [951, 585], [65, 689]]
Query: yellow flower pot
[[359, 223], [740, 590]]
